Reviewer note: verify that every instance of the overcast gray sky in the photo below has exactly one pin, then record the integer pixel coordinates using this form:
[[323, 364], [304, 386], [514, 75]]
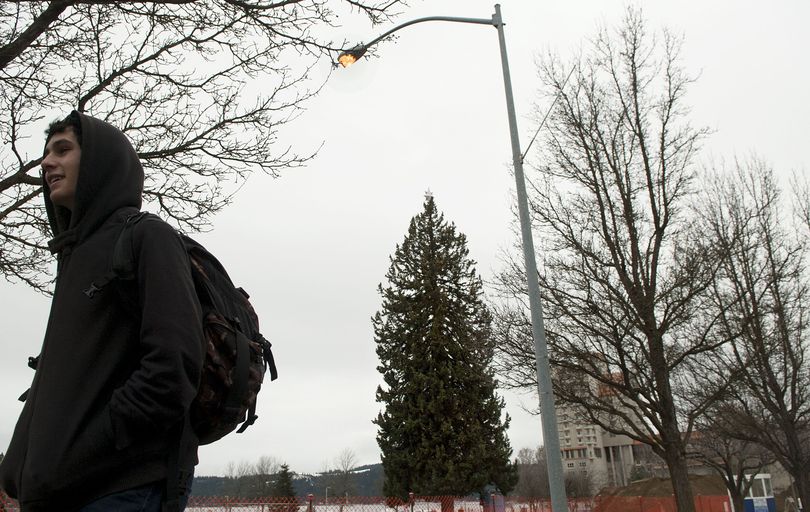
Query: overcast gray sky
[[429, 113]]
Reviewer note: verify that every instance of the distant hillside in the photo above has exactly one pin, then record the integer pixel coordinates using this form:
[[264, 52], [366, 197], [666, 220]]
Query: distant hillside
[[365, 481]]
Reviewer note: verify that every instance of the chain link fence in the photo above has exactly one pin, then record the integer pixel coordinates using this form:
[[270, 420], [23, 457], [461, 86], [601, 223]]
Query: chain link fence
[[433, 504]]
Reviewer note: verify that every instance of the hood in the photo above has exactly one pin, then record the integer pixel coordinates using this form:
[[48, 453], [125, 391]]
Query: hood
[[110, 178]]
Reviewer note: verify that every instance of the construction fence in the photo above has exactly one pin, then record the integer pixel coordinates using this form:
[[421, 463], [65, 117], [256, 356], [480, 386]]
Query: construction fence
[[433, 504], [658, 504]]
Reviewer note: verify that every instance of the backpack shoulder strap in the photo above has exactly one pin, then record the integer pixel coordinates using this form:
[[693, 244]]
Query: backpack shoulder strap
[[123, 260]]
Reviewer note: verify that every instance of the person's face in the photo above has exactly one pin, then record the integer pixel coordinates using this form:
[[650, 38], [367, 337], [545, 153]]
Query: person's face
[[60, 166]]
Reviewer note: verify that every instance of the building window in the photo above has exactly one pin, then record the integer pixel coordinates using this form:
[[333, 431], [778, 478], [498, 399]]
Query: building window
[[570, 464], [583, 464], [597, 453]]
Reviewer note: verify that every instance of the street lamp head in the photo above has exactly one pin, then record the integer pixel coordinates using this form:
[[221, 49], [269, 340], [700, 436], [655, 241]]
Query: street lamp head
[[349, 57]]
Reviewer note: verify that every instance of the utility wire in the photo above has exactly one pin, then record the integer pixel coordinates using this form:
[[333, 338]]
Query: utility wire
[[543, 122]]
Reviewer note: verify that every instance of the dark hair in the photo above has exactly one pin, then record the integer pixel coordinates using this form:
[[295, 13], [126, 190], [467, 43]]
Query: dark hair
[[60, 125]]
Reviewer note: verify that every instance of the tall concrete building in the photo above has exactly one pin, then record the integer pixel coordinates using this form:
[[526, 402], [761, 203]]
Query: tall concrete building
[[605, 458], [588, 450]]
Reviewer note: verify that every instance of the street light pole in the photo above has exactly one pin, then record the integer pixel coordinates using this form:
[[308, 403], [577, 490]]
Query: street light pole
[[551, 438]]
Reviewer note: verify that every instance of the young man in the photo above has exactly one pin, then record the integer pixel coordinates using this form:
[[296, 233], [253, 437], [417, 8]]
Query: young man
[[120, 363]]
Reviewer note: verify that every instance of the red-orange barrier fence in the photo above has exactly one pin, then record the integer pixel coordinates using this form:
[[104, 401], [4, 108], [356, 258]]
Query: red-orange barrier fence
[[658, 504]]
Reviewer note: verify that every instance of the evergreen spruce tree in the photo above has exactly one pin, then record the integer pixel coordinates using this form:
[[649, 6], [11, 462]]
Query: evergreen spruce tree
[[283, 486], [441, 432]]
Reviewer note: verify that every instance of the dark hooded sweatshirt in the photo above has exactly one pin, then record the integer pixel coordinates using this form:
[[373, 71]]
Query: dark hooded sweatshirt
[[117, 371]]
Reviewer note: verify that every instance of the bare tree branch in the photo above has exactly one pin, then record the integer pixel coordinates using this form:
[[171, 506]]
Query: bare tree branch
[[203, 89], [39, 25]]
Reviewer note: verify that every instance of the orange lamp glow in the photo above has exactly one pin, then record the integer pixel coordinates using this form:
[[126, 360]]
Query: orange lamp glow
[[346, 59]]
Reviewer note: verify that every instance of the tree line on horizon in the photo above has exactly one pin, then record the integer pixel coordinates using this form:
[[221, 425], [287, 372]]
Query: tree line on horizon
[[333, 484], [268, 476]]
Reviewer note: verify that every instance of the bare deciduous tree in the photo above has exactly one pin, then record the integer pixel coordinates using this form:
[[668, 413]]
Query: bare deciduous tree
[[533, 479], [252, 480], [341, 477], [621, 278], [801, 200], [716, 446], [201, 87], [579, 485], [267, 465], [532, 474], [762, 296], [237, 477]]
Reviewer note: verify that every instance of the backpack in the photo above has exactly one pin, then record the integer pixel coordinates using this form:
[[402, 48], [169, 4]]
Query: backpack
[[236, 355]]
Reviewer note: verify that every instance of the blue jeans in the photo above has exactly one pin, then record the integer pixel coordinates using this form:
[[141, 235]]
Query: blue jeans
[[147, 498]]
